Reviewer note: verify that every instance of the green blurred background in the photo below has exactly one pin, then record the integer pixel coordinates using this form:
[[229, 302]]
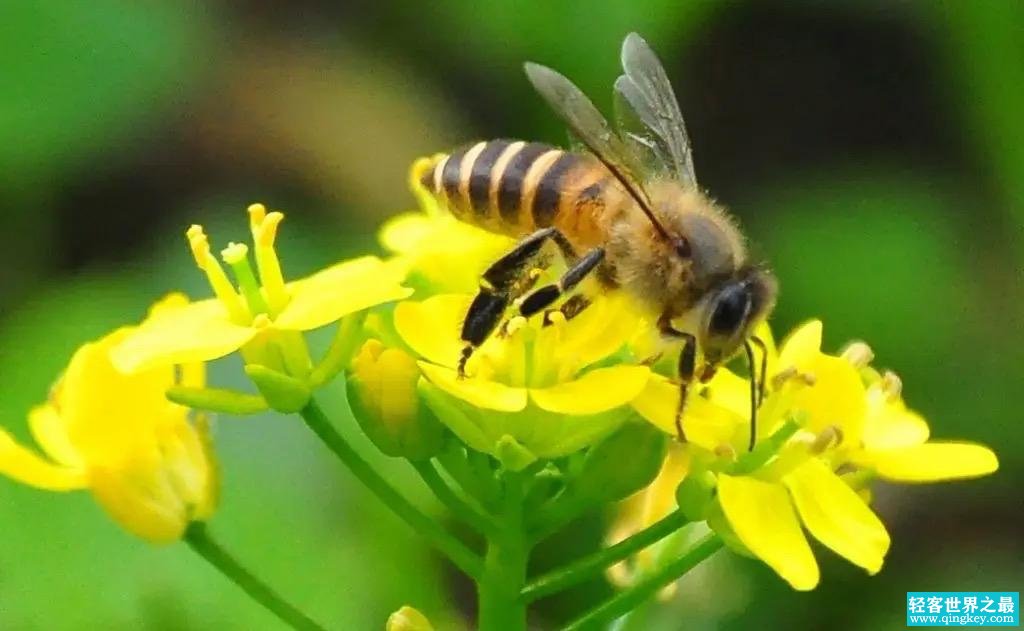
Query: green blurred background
[[874, 152]]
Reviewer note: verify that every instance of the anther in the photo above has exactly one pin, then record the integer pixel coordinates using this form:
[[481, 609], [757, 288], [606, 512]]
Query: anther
[[256, 214], [199, 245], [892, 385], [790, 373], [235, 253], [828, 437], [858, 353], [726, 451], [515, 324]]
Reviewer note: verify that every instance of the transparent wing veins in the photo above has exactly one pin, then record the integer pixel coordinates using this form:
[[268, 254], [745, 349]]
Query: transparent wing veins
[[645, 88]]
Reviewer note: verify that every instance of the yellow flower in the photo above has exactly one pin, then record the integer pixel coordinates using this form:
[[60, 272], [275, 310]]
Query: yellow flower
[[146, 463], [536, 391], [381, 391], [443, 254], [263, 316], [846, 416]]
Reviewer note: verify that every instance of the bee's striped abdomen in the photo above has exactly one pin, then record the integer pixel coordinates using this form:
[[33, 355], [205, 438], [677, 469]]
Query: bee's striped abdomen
[[514, 187]]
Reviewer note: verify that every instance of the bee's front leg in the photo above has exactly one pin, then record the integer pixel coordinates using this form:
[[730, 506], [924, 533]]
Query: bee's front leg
[[685, 369]]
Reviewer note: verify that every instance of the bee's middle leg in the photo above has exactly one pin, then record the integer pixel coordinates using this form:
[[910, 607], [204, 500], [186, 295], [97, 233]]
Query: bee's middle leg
[[505, 280], [540, 299]]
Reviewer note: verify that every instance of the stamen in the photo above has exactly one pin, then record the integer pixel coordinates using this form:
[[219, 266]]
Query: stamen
[[892, 385], [264, 233], [858, 353], [237, 256], [514, 325], [222, 287], [828, 437], [787, 374]]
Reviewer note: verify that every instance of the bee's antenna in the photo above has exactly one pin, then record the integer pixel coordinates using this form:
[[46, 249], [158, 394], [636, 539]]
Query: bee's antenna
[[754, 388], [764, 368]]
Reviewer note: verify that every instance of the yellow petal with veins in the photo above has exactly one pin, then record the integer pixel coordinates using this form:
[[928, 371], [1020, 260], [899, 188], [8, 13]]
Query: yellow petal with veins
[[762, 516], [25, 466], [198, 332], [431, 328], [837, 516], [339, 290], [481, 393], [930, 462], [596, 391]]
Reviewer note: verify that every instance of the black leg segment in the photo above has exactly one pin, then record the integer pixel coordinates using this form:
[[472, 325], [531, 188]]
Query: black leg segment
[[506, 279], [542, 298]]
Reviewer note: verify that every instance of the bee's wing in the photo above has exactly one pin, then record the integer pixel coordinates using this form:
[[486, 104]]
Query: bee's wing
[[644, 95], [587, 124]]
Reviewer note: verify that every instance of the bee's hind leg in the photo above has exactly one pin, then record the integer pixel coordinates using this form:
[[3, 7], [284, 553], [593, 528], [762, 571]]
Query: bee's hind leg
[[506, 279]]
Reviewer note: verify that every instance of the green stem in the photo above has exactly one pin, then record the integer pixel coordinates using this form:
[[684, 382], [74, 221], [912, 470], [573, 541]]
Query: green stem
[[455, 550], [199, 540], [588, 566], [631, 598], [477, 519], [500, 608]]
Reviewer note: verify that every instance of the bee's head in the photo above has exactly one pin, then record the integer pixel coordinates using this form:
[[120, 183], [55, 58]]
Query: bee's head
[[732, 309]]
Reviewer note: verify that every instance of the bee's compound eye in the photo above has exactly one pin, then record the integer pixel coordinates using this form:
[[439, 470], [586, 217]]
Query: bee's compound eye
[[731, 310]]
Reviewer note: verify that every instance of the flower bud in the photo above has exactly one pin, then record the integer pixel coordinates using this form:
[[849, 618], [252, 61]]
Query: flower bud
[[408, 619], [622, 463], [383, 396]]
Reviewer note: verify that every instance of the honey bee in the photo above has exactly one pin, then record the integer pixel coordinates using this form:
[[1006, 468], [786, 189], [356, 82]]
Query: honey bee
[[626, 209]]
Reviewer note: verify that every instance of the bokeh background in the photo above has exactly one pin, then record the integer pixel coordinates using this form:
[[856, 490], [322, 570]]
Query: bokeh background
[[874, 152]]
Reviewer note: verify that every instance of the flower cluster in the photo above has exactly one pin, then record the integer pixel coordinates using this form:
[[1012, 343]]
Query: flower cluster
[[115, 422], [550, 417], [828, 426]]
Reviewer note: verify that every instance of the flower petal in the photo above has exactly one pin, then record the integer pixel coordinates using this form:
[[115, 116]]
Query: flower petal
[[763, 518], [481, 393], [837, 397], [800, 346], [595, 333], [431, 327], [339, 290], [458, 417], [51, 434], [730, 391], [931, 462], [596, 391], [889, 425], [142, 500], [24, 466], [837, 516], [706, 424], [198, 332]]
